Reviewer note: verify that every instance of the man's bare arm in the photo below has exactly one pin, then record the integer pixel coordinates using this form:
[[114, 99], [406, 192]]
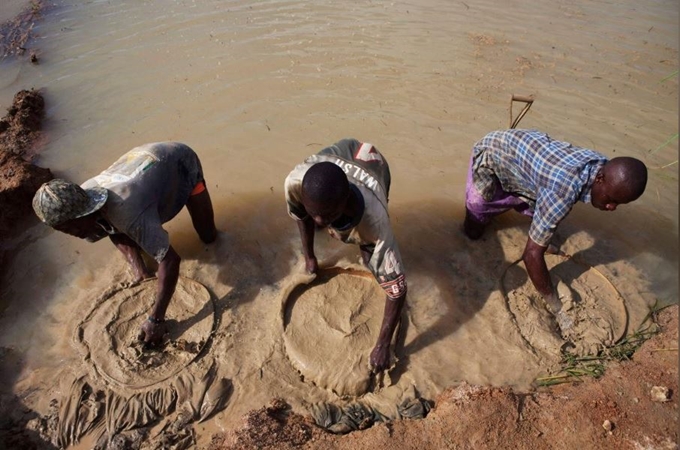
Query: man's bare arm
[[132, 253], [306, 228], [534, 260], [380, 356], [153, 329], [168, 274]]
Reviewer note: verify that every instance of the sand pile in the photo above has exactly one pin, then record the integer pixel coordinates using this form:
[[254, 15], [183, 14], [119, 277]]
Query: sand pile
[[594, 308]]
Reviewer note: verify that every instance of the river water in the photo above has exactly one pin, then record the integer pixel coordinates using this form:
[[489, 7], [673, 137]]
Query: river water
[[255, 87]]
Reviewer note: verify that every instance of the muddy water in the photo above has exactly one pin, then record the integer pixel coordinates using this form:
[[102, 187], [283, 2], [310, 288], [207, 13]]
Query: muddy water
[[10, 9], [255, 87]]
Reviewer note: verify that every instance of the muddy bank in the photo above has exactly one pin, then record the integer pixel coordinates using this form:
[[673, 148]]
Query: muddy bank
[[617, 411], [278, 78], [18, 30], [19, 178]]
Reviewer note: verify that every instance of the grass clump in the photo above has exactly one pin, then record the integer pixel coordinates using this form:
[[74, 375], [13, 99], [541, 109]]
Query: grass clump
[[574, 368]]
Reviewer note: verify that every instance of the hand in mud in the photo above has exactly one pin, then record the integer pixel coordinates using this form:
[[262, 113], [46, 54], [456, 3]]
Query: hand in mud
[[312, 265], [565, 294], [558, 309], [152, 334], [553, 302], [564, 322], [380, 358]]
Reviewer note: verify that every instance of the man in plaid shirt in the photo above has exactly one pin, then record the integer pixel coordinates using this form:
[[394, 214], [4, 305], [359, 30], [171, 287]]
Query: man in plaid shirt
[[543, 178]]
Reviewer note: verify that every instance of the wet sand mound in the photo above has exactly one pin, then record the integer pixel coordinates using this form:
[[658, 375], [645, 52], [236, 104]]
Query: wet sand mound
[[110, 330], [593, 304], [331, 326]]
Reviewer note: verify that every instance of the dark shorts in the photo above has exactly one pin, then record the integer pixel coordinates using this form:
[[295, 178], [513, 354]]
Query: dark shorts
[[483, 210]]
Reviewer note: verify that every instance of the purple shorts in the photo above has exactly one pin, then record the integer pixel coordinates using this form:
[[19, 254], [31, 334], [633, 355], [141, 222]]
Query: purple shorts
[[482, 211]]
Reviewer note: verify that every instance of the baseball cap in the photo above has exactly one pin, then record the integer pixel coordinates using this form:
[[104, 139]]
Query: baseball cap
[[59, 201]]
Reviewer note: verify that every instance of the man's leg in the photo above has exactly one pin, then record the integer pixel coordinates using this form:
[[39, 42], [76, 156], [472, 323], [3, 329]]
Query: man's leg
[[201, 212], [473, 228], [479, 212], [475, 217]]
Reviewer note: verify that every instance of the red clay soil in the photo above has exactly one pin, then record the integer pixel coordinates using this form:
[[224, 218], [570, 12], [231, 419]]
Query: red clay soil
[[616, 411], [20, 127]]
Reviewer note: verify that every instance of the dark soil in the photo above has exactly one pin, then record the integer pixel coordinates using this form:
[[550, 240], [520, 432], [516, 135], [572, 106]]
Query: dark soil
[[20, 127], [19, 179]]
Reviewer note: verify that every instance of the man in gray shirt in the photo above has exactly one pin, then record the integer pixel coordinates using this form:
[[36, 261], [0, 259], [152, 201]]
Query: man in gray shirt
[[345, 188], [129, 202]]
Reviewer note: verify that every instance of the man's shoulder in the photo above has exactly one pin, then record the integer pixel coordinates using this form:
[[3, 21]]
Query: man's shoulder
[[343, 147], [353, 150], [293, 182], [373, 204], [299, 171], [161, 148]]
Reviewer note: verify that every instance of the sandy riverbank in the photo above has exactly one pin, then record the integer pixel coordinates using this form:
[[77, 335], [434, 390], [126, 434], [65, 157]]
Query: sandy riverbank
[[452, 306]]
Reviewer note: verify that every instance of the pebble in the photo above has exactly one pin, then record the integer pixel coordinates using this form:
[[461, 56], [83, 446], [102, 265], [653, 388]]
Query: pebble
[[660, 394], [607, 425]]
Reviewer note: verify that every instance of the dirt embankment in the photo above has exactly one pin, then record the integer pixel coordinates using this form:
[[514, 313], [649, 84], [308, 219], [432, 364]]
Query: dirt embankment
[[19, 178], [633, 406], [20, 127]]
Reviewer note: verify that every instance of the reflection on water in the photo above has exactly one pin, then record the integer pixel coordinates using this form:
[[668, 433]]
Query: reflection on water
[[255, 87]]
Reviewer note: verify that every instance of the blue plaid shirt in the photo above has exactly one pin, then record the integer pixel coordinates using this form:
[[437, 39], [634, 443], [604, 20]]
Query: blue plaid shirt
[[551, 176]]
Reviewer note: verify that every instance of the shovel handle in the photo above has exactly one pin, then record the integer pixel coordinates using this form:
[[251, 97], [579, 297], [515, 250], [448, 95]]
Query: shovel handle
[[522, 98], [519, 98]]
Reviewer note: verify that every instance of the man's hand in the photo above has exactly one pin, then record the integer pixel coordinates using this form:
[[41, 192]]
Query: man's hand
[[566, 299], [152, 333], [564, 322], [306, 228], [380, 358], [554, 303], [312, 265]]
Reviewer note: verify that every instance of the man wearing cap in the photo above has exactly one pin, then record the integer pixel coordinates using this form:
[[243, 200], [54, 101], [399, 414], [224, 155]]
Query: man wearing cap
[[538, 176], [129, 202], [345, 188]]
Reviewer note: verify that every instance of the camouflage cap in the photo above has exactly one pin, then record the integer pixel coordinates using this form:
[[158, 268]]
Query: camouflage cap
[[59, 201]]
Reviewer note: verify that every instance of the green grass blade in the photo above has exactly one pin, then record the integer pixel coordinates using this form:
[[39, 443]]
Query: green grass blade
[[668, 141], [669, 76]]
